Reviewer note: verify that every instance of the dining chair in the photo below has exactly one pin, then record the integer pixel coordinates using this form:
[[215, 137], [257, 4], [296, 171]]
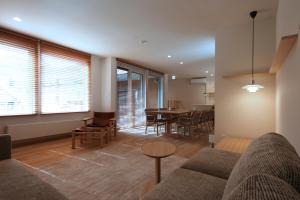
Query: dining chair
[[188, 122], [150, 118], [155, 120]]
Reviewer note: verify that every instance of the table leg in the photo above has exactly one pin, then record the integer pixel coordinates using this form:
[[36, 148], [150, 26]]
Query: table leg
[[157, 170], [169, 128], [73, 139]]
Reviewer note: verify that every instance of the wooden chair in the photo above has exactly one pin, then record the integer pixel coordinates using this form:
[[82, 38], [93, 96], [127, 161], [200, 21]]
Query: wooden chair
[[152, 119], [206, 121], [102, 124], [188, 123], [102, 120]]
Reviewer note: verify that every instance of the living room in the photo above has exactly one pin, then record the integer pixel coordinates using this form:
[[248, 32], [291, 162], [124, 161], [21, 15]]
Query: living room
[[149, 99]]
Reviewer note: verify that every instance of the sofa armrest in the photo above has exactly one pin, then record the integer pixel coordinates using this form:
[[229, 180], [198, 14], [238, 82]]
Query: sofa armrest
[[214, 162], [5, 146]]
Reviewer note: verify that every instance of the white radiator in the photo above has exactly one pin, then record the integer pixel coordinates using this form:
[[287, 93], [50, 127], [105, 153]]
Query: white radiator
[[40, 129]]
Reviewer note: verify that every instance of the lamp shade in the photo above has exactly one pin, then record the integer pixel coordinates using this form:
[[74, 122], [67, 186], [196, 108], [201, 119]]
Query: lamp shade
[[253, 87]]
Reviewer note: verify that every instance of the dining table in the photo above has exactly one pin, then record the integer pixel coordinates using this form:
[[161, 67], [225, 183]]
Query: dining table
[[169, 115]]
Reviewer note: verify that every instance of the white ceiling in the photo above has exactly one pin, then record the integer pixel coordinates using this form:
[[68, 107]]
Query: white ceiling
[[182, 28]]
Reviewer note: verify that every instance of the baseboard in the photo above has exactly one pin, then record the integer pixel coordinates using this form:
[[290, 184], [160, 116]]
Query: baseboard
[[23, 142]]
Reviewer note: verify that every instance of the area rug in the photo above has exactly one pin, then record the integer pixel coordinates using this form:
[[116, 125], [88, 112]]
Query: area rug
[[118, 171]]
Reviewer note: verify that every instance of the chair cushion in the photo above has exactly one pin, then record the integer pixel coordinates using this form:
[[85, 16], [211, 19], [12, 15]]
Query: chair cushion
[[271, 154], [184, 184], [95, 125], [263, 187], [102, 118], [213, 162], [17, 183]]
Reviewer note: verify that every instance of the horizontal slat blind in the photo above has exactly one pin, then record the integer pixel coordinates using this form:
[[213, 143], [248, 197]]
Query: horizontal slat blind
[[65, 79], [18, 74]]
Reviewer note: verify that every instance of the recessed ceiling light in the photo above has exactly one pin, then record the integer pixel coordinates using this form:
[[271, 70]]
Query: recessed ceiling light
[[181, 63], [206, 71], [17, 19], [211, 75], [169, 56], [143, 41], [173, 77]]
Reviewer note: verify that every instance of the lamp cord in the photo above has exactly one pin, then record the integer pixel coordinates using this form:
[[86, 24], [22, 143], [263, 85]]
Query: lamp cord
[[253, 51]]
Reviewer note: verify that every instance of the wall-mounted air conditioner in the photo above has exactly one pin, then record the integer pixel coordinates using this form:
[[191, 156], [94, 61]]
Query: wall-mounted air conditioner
[[201, 80]]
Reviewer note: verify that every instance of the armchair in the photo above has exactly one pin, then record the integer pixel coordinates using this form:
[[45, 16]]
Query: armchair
[[101, 120], [102, 124]]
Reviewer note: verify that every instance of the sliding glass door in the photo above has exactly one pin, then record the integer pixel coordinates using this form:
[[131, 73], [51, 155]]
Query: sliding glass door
[[130, 98], [137, 99], [123, 117]]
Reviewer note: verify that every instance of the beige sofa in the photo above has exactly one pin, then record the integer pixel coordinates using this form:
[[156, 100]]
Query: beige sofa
[[269, 169], [17, 183]]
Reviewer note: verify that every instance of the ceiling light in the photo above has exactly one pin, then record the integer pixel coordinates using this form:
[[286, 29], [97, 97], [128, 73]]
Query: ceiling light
[[253, 87], [143, 41], [181, 63], [211, 75], [169, 56], [173, 77], [206, 71], [17, 19]]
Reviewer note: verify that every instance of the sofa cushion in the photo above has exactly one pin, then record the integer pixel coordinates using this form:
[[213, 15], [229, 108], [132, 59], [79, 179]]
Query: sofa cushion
[[16, 182], [271, 154], [184, 184], [263, 187], [213, 162]]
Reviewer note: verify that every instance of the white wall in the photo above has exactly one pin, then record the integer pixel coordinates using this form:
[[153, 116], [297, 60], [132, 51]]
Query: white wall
[[288, 78], [181, 89], [239, 113], [107, 85], [102, 99], [96, 75]]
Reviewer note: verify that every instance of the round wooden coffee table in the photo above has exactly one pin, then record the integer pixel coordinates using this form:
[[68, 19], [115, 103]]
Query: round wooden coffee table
[[158, 150]]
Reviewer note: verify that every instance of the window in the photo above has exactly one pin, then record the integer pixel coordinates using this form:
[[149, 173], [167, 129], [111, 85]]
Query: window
[[18, 69], [64, 79], [41, 77]]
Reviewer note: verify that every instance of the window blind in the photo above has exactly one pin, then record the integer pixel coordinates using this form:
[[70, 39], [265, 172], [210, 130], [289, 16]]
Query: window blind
[[18, 74], [65, 75]]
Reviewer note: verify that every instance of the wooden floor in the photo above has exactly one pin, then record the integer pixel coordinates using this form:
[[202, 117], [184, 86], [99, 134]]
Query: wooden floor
[[186, 147], [117, 171], [233, 144]]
